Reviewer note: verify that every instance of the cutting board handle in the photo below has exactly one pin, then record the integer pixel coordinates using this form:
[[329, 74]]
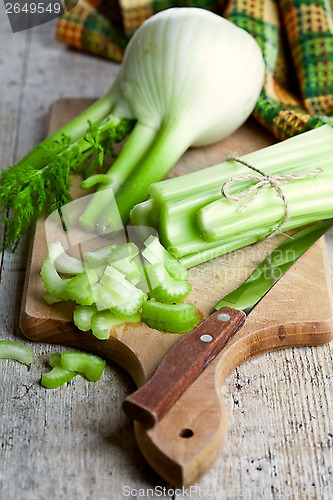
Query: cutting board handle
[[186, 442], [182, 366]]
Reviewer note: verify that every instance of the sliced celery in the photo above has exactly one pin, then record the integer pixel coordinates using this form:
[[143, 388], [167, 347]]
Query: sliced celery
[[53, 283], [164, 288], [82, 316], [131, 306], [114, 287], [58, 376], [90, 365], [65, 263], [99, 257], [111, 273], [118, 294], [131, 268], [123, 251], [16, 351], [50, 299], [156, 253], [174, 318], [81, 288], [104, 321]]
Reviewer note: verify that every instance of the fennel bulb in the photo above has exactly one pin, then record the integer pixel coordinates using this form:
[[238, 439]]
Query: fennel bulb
[[188, 78]]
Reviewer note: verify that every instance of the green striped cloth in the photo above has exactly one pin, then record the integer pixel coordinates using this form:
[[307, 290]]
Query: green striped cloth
[[295, 36]]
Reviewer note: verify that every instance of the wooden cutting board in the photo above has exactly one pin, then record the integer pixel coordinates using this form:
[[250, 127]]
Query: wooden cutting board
[[296, 312]]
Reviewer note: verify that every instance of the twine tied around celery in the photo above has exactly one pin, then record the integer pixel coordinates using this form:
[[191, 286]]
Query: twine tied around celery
[[264, 181]]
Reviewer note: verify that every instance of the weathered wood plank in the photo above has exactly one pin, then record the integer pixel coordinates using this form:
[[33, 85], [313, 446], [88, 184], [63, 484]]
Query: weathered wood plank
[[75, 442]]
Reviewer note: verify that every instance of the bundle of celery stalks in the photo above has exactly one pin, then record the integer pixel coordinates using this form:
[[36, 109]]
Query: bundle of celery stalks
[[121, 283]]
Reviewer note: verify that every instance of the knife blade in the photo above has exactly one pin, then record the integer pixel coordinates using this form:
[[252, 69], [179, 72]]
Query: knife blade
[[197, 349]]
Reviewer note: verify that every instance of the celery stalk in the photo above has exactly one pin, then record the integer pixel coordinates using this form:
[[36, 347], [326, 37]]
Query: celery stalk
[[58, 376], [104, 321], [196, 223], [89, 365], [16, 351], [145, 216], [308, 200], [297, 154]]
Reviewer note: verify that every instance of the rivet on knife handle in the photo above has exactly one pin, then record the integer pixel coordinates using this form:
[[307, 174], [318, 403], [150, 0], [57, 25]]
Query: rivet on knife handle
[[182, 365]]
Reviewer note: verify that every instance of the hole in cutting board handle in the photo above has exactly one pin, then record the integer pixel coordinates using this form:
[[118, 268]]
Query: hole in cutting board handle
[[186, 433]]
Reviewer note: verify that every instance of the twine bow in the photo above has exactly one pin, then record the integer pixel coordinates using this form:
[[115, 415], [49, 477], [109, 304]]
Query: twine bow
[[264, 181]]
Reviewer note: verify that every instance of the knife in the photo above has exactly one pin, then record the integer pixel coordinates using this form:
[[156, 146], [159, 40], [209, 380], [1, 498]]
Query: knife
[[197, 349]]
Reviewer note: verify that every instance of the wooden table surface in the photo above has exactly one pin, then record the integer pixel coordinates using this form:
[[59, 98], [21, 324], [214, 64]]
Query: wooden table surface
[[76, 442]]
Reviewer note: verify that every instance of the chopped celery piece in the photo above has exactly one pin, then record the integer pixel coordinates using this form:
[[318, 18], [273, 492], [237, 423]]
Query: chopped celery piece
[[164, 288], [175, 318], [99, 257], [65, 263], [16, 351], [53, 283], [110, 273], [156, 274], [58, 376], [83, 315], [131, 268], [118, 294], [131, 306], [99, 270], [90, 365], [81, 288], [167, 326], [104, 321], [50, 299], [155, 253], [122, 251], [54, 359]]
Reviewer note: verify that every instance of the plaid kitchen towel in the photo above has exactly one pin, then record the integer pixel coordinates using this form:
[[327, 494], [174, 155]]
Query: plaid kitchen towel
[[295, 36]]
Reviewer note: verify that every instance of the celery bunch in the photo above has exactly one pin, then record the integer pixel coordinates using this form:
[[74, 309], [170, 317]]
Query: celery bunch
[[197, 223]]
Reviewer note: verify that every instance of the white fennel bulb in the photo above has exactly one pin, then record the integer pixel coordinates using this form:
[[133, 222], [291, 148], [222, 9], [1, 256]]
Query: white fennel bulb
[[194, 69], [188, 78]]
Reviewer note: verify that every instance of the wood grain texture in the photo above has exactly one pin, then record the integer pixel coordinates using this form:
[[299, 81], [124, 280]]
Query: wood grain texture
[[140, 349], [76, 442]]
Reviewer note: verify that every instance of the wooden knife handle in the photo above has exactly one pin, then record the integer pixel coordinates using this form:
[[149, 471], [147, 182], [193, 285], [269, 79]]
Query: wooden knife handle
[[182, 366]]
